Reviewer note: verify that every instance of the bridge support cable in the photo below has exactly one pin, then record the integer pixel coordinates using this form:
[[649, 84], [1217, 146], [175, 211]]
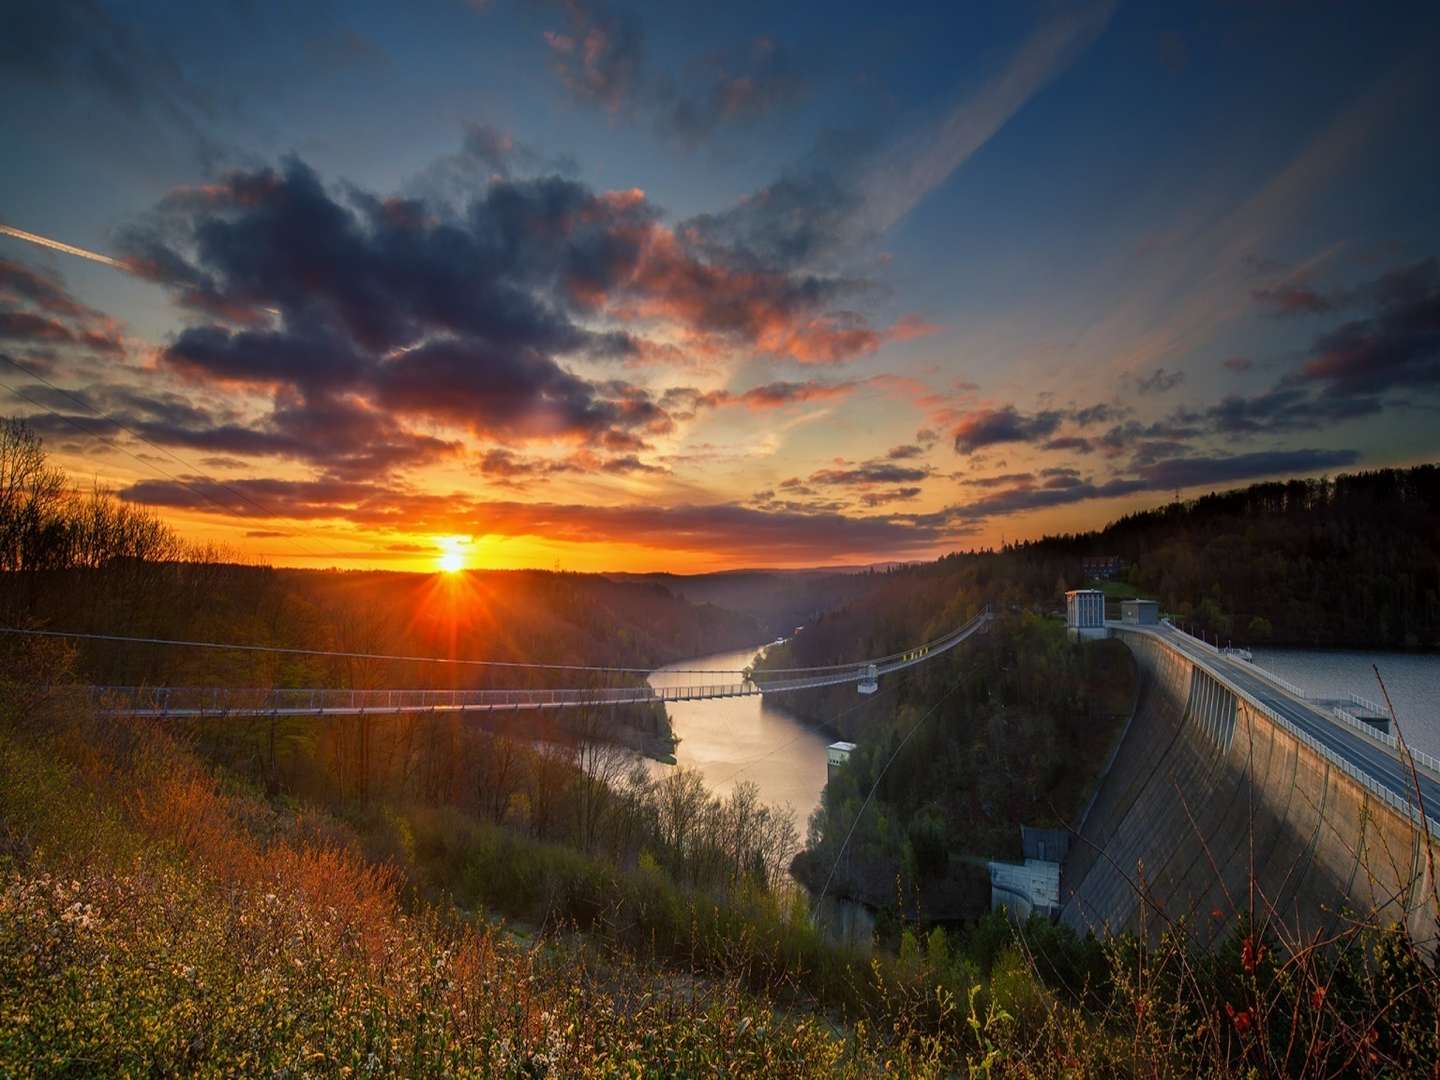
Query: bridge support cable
[[891, 662], [186, 702]]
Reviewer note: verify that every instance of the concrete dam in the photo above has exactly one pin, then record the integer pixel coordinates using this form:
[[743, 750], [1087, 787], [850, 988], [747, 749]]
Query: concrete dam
[[1231, 795]]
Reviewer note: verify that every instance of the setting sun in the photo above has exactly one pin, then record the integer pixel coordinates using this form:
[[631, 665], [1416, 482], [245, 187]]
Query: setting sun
[[451, 559]]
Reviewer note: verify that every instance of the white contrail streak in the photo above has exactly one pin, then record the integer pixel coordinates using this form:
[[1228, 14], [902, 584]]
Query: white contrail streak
[[69, 249]]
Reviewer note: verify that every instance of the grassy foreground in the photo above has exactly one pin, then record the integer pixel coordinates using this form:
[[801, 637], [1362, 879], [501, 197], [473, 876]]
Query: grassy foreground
[[159, 917]]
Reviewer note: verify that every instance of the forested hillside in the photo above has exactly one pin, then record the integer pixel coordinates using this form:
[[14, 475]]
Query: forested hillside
[[86, 562], [1010, 728], [1350, 561]]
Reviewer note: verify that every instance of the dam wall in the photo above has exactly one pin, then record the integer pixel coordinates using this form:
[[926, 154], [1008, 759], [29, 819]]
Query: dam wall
[[1213, 809]]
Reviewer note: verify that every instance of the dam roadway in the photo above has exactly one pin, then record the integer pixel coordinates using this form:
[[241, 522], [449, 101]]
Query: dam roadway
[[1375, 759], [1230, 796]]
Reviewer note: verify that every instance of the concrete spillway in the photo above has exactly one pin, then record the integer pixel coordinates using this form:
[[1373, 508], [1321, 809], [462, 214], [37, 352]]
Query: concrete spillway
[[1208, 795]]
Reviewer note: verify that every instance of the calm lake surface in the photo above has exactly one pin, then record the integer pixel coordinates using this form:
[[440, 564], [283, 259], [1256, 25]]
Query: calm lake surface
[[735, 739], [1413, 680]]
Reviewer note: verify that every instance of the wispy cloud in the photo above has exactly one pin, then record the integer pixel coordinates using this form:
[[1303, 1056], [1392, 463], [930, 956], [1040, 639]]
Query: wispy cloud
[[922, 161]]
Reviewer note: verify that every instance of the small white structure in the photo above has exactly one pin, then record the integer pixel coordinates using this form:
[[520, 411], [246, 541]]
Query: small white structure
[[1031, 887], [1140, 612], [836, 754], [1085, 613]]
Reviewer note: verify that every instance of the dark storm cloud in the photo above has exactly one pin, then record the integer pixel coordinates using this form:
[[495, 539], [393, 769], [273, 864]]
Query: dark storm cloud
[[463, 319], [870, 472], [795, 221], [600, 58], [339, 436], [1074, 443], [27, 326], [1198, 471], [1001, 480], [1288, 407], [892, 495], [1292, 299], [1066, 487], [38, 313], [991, 427], [1355, 369], [1100, 413], [1396, 347], [1159, 381]]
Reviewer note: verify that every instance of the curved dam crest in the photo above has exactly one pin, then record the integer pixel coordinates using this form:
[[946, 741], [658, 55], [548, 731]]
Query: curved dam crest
[[1207, 794]]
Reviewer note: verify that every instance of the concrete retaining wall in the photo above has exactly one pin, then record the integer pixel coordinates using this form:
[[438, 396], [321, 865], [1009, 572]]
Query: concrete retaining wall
[[1208, 796]]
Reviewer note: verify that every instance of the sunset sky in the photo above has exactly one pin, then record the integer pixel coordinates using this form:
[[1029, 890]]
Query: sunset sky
[[614, 286]]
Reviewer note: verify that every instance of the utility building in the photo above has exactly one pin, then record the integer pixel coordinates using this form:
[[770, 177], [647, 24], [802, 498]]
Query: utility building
[[1140, 612], [1085, 613], [836, 754]]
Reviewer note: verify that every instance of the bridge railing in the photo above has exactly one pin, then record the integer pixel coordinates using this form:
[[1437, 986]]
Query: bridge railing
[[1367, 705], [1192, 638], [1365, 729], [1283, 684]]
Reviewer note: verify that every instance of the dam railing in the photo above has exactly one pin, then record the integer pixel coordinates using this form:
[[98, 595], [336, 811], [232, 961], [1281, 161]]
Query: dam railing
[[1402, 806]]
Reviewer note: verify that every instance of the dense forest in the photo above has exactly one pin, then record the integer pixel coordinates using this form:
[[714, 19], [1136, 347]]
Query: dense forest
[[1009, 729], [1350, 561]]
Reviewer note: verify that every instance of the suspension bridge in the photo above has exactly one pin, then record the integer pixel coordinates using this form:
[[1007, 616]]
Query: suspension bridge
[[201, 701]]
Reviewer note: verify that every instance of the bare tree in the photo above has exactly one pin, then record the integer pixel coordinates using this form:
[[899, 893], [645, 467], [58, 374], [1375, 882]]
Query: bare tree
[[31, 491], [602, 762]]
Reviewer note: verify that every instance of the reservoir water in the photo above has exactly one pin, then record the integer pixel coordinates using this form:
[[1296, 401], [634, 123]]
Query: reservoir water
[[733, 739], [1413, 680]]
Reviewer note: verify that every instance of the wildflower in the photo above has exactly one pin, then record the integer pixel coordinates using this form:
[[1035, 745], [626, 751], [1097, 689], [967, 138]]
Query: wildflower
[[1241, 1019], [1251, 955]]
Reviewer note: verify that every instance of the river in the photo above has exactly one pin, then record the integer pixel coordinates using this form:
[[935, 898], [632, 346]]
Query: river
[[1413, 680], [748, 738]]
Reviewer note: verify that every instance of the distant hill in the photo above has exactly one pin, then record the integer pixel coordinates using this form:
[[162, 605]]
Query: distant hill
[[778, 600]]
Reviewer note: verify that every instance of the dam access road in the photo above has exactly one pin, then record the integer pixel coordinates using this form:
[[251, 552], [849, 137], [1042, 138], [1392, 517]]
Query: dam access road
[[1366, 753]]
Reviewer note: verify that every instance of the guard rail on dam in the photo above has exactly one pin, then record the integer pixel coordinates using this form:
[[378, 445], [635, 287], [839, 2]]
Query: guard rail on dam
[[1224, 776]]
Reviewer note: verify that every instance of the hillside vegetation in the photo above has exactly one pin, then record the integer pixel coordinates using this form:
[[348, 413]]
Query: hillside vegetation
[[1349, 561], [422, 896]]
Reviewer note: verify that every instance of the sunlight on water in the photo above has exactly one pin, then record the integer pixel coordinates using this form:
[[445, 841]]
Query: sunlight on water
[[735, 739]]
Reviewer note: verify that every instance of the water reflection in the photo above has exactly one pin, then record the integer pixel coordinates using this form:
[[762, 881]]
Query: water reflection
[[733, 739]]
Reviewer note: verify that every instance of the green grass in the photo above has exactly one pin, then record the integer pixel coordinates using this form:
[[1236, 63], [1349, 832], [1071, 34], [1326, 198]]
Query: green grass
[[1120, 590]]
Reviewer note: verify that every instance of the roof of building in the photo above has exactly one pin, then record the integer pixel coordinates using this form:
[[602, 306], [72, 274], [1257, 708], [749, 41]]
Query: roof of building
[[841, 746]]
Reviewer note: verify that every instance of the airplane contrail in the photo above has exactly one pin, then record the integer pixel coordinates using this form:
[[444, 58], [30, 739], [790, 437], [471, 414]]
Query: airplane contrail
[[85, 253], [69, 249]]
